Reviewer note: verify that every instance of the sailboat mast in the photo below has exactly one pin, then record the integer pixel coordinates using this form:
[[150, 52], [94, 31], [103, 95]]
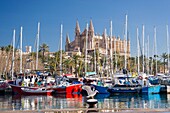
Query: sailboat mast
[[148, 54], [111, 54], [61, 50], [143, 37], [155, 49], [86, 49], [138, 48], [126, 41], [152, 59], [13, 57], [167, 45], [95, 60], [21, 50], [37, 45], [106, 51]]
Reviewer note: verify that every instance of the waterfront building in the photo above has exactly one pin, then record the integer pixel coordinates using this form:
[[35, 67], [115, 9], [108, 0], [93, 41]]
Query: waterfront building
[[95, 41]]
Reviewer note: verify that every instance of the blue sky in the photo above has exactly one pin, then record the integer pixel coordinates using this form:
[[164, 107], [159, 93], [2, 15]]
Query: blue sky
[[52, 13]]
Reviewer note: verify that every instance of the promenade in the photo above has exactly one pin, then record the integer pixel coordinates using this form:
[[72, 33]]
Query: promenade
[[92, 110]]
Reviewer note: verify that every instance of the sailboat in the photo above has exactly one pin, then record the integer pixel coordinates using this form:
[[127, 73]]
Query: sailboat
[[95, 81], [149, 86], [16, 85], [100, 87], [124, 83], [62, 82]]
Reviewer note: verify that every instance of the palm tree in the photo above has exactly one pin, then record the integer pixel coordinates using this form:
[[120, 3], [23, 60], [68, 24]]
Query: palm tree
[[80, 68], [164, 56], [131, 64], [43, 48], [75, 60], [56, 60]]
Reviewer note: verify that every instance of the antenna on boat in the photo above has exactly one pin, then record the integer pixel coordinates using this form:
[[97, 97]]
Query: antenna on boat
[[37, 45], [13, 57], [61, 50], [21, 50]]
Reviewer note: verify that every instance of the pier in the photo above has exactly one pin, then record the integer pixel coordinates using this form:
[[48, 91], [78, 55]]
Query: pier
[[92, 110]]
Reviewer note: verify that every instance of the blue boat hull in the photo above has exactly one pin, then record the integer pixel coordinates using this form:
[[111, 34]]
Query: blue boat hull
[[125, 89], [101, 89], [151, 89]]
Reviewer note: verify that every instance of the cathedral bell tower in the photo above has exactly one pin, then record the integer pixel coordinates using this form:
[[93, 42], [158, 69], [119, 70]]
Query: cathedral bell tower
[[67, 46], [77, 34], [91, 35]]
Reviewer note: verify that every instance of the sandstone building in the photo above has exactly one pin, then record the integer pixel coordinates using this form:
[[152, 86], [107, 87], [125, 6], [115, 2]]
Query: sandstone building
[[95, 41]]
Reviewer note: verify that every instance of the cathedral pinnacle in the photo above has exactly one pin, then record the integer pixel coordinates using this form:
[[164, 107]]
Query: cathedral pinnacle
[[91, 28], [67, 39], [77, 29]]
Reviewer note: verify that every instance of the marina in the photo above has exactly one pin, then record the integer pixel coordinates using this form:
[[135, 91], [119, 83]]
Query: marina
[[84, 56]]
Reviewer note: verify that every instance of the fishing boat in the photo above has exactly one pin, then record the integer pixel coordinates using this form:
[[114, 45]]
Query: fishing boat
[[125, 85], [96, 82], [151, 89], [125, 88], [67, 89], [101, 89], [17, 89], [39, 91], [64, 84]]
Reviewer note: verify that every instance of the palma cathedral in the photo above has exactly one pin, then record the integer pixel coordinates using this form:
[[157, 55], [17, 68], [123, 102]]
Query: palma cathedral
[[96, 41]]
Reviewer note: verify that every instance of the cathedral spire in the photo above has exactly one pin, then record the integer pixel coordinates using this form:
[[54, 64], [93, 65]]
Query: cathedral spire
[[77, 29], [91, 28], [67, 39]]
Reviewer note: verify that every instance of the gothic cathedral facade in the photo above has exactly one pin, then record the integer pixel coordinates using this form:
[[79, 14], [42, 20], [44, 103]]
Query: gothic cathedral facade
[[102, 43]]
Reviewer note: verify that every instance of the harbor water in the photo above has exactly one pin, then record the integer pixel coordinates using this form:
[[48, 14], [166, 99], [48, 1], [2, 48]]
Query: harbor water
[[74, 101]]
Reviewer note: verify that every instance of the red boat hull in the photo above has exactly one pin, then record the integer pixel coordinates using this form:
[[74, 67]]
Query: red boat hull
[[74, 89], [71, 89], [49, 93], [17, 89], [61, 90]]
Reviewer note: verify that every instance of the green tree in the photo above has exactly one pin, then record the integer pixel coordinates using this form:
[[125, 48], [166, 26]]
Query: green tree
[[43, 48], [164, 56]]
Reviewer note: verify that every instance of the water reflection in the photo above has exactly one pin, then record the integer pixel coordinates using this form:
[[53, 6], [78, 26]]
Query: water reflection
[[46, 102], [105, 101]]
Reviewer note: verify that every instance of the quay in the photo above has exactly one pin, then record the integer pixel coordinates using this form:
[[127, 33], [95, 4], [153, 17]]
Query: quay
[[91, 110]]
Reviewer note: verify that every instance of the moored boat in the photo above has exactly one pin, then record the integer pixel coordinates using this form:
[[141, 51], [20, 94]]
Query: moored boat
[[39, 91], [16, 89], [69, 89], [3, 86], [151, 89], [101, 89], [125, 88], [66, 85], [150, 86], [125, 85]]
